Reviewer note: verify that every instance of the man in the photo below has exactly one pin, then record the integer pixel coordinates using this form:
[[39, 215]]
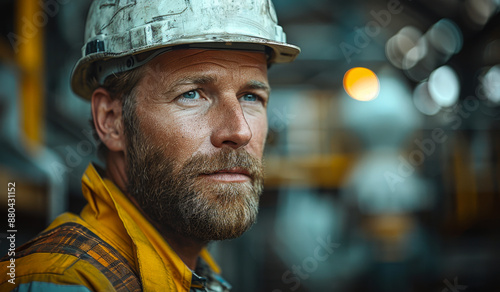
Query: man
[[178, 94]]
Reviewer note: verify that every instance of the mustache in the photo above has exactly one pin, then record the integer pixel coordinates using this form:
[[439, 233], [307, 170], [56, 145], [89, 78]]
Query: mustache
[[224, 159]]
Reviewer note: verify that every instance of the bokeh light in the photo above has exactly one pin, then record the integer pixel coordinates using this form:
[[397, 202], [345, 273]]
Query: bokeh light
[[398, 46], [415, 54], [361, 84], [491, 83], [446, 37], [479, 11], [423, 100], [444, 86]]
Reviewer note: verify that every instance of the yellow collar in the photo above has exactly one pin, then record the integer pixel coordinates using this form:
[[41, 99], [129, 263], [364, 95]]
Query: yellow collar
[[119, 222]]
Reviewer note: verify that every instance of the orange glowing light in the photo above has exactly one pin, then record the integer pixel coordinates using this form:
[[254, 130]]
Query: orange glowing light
[[361, 84]]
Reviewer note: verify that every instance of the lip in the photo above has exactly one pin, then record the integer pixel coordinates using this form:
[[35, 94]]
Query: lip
[[235, 174], [236, 170]]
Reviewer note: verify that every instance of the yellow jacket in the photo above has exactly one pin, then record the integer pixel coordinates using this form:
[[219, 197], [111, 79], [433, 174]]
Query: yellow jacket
[[111, 216]]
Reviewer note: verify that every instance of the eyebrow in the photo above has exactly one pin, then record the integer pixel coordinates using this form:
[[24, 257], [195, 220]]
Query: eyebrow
[[192, 80], [254, 84], [196, 80]]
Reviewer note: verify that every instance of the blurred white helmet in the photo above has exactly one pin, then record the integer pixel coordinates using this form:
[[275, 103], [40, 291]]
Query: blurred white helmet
[[118, 31]]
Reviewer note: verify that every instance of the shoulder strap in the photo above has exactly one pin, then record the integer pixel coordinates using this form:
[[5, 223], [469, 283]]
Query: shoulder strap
[[77, 240]]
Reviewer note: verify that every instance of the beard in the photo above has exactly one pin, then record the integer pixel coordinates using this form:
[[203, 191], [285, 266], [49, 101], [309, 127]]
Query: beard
[[179, 198]]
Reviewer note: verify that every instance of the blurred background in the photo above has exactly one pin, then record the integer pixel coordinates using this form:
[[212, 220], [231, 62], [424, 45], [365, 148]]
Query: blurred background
[[385, 179]]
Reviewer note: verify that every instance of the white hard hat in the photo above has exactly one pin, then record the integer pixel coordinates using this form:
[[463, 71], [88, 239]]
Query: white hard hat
[[117, 31]]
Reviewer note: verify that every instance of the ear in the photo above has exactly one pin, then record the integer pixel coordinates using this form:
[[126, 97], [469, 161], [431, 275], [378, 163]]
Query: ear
[[108, 121]]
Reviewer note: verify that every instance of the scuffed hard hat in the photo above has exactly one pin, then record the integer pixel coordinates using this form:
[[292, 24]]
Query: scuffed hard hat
[[117, 31]]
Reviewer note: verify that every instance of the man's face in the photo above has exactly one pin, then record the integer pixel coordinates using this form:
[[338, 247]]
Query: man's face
[[195, 140]]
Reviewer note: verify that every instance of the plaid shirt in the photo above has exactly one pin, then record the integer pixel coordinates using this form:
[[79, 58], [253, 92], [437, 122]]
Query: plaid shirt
[[76, 240]]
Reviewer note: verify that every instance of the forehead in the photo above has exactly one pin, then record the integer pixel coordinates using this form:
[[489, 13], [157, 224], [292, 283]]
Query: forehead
[[183, 59], [224, 67]]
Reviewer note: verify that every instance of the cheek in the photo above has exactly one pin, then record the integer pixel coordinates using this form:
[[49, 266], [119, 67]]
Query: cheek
[[180, 135], [259, 134]]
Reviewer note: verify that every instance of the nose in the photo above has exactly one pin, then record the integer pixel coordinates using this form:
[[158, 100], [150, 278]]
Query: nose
[[232, 127]]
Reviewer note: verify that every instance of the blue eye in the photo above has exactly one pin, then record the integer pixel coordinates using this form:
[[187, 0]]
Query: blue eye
[[191, 95], [250, 97]]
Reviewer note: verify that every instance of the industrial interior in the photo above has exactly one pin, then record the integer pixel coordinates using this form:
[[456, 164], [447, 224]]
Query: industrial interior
[[395, 176]]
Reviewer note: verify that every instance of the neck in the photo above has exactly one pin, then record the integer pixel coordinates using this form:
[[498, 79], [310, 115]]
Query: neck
[[186, 248], [115, 170]]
